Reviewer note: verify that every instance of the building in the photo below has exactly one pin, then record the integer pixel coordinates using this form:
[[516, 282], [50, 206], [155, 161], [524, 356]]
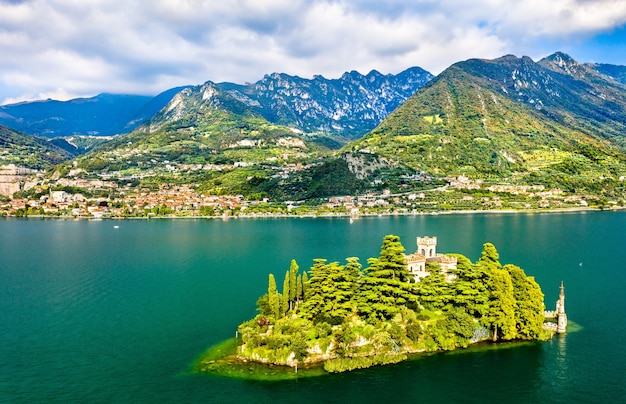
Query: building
[[560, 327], [561, 316], [427, 252]]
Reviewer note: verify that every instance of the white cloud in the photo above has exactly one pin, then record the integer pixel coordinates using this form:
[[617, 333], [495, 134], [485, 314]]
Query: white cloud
[[70, 48]]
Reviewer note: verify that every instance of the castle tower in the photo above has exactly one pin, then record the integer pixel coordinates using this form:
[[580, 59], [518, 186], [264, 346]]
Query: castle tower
[[427, 246], [560, 312]]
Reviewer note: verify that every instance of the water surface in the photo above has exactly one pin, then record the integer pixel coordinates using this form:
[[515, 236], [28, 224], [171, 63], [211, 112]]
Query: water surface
[[94, 313]]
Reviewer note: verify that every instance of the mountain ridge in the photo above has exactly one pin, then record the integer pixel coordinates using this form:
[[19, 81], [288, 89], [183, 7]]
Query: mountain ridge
[[347, 107], [555, 124]]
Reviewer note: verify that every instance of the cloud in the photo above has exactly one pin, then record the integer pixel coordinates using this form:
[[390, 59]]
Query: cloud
[[67, 48]]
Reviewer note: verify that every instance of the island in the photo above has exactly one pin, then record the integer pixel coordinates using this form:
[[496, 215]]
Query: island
[[343, 317]]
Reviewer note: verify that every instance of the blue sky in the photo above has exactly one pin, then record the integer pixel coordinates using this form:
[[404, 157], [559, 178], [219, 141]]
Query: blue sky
[[63, 49]]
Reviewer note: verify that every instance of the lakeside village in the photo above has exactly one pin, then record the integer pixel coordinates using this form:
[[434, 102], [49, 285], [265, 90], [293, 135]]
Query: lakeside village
[[345, 318], [25, 192]]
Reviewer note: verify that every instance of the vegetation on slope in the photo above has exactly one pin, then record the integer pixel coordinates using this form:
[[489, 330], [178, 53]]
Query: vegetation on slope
[[349, 317], [28, 151], [511, 120], [508, 121]]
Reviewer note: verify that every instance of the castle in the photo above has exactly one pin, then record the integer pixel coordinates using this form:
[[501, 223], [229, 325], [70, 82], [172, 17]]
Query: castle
[[427, 252], [558, 314]]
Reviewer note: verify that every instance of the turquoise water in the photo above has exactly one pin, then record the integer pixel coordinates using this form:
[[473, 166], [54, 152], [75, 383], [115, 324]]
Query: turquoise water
[[94, 313]]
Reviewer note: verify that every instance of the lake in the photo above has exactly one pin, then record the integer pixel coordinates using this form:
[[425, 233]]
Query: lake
[[117, 311]]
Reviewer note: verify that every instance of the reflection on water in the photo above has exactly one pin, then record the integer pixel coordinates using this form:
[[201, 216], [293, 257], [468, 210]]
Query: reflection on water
[[560, 359]]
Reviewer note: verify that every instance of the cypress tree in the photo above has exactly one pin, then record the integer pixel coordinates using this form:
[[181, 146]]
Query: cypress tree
[[293, 272], [305, 285], [284, 306], [299, 288], [273, 297]]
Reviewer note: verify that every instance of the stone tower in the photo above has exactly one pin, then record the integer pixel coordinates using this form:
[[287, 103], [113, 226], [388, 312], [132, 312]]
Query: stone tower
[[560, 312], [427, 246]]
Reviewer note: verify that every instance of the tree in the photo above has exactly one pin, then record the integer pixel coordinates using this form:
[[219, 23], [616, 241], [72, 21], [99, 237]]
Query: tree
[[284, 302], [305, 285], [353, 269], [273, 297], [330, 292], [391, 263], [529, 305], [433, 290], [345, 281], [470, 287], [313, 304], [385, 285], [489, 257], [263, 305], [293, 288], [299, 288], [500, 316]]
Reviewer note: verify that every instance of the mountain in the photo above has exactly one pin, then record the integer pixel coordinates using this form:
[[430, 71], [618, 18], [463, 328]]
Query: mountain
[[272, 138], [201, 125], [28, 151], [210, 139], [349, 106], [618, 73], [554, 122], [149, 109], [102, 115], [507, 121]]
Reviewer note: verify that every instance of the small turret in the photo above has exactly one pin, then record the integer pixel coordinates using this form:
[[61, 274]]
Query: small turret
[[561, 327]]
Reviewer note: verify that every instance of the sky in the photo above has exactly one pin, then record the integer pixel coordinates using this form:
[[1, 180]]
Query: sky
[[63, 49]]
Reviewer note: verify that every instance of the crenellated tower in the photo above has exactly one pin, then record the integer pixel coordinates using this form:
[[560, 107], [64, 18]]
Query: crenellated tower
[[427, 246]]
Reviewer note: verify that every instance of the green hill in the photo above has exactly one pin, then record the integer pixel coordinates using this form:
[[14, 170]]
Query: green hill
[[28, 151], [207, 138], [555, 122]]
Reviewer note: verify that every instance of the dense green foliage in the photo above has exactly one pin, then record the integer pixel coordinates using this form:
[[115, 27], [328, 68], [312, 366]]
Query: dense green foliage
[[351, 317], [28, 151]]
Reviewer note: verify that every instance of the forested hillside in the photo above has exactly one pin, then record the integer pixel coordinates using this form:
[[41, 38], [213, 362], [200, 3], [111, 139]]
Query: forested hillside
[[28, 151], [511, 120]]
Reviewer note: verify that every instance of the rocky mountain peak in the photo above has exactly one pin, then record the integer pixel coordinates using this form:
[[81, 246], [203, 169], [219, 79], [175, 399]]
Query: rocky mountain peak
[[349, 106], [352, 76], [562, 63]]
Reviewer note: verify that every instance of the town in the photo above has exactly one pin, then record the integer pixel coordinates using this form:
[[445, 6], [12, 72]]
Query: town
[[113, 195]]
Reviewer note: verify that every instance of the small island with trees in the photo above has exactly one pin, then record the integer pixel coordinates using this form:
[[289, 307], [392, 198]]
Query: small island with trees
[[345, 317]]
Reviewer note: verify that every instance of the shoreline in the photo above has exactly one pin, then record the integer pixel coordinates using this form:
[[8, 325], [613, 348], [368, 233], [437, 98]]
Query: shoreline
[[222, 359], [338, 215]]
